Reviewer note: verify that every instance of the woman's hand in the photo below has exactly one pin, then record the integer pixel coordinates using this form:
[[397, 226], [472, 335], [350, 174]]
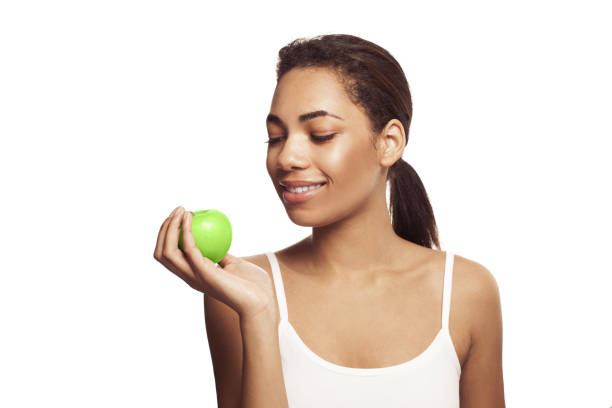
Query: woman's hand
[[242, 285]]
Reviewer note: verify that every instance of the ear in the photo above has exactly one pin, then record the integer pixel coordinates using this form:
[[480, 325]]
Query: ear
[[391, 143]]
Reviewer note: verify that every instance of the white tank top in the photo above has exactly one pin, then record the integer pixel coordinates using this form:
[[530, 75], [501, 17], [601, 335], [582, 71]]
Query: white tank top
[[430, 379]]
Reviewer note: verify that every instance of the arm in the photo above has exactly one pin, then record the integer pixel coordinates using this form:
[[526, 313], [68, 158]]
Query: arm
[[262, 377], [246, 358], [225, 341], [482, 382], [244, 346]]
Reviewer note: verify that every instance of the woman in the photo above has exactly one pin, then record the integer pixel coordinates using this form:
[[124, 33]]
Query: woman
[[359, 313]]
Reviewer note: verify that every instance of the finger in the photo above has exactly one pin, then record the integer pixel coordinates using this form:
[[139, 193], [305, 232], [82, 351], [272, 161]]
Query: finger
[[174, 258], [171, 239], [158, 254], [229, 259], [161, 237]]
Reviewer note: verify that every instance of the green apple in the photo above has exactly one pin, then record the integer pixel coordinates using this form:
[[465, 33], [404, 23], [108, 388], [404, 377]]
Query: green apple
[[212, 233]]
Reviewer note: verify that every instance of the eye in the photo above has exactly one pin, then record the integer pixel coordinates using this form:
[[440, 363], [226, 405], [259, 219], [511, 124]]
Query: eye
[[324, 138], [317, 138], [272, 141]]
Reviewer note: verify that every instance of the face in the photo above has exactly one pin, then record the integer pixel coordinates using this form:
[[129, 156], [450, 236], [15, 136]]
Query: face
[[345, 161]]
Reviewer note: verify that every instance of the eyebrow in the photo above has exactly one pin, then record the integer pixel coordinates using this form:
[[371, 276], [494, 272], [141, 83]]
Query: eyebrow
[[302, 118]]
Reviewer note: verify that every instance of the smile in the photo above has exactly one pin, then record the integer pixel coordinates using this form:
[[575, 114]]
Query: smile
[[302, 189], [300, 194]]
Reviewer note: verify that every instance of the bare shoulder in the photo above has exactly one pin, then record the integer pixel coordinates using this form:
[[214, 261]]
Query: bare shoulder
[[476, 283], [478, 293], [482, 382]]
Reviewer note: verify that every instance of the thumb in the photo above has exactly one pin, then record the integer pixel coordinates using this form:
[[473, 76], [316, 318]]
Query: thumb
[[229, 259]]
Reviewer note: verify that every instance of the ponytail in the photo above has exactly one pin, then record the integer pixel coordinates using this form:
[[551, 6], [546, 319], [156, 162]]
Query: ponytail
[[411, 213]]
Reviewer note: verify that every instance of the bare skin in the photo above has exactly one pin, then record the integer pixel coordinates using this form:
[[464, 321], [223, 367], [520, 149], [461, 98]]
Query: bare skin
[[353, 275], [386, 322]]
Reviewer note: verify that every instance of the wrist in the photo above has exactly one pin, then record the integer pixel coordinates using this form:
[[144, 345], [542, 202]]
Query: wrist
[[266, 319]]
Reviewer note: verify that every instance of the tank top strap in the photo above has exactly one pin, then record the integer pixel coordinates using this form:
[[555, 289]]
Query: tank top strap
[[278, 285], [448, 283]]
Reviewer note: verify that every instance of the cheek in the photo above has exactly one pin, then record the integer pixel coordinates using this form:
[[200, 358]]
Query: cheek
[[269, 164], [348, 167]]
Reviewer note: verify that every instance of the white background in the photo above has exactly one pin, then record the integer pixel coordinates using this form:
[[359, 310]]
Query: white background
[[112, 113]]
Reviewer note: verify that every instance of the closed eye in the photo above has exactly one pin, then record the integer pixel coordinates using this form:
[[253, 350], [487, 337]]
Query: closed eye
[[319, 139]]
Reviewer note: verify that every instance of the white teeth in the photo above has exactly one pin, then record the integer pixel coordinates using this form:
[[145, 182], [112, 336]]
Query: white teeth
[[302, 189]]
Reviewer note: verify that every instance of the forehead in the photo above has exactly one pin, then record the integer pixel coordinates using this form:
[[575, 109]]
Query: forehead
[[308, 89]]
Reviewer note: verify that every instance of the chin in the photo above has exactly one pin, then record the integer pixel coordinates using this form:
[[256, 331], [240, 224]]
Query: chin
[[308, 217], [302, 218]]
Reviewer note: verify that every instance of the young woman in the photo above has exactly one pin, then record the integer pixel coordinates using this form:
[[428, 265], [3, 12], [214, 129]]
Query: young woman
[[367, 311]]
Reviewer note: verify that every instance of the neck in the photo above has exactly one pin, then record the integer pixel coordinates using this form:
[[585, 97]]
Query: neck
[[359, 248]]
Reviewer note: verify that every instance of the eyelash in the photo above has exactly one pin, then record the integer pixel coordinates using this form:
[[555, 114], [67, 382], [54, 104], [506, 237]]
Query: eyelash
[[317, 138]]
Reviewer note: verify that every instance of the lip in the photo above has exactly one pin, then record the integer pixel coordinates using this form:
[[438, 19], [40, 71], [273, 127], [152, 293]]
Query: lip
[[298, 198], [300, 183]]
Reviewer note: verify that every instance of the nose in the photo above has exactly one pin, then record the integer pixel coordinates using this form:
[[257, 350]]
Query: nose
[[293, 154]]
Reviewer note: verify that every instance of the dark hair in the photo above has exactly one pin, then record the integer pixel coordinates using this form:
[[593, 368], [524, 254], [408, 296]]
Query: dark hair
[[374, 80]]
